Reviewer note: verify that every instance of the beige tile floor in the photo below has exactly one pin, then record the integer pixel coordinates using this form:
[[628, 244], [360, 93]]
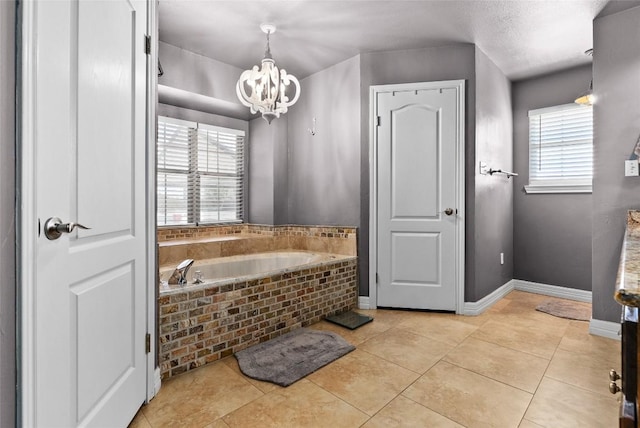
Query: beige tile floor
[[509, 367]]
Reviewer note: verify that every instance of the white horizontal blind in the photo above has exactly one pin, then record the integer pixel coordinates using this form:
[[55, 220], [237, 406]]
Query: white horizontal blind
[[219, 178], [174, 141], [200, 173], [561, 145]]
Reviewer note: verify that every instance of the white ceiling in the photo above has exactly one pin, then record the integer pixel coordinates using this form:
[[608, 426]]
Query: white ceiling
[[523, 37]]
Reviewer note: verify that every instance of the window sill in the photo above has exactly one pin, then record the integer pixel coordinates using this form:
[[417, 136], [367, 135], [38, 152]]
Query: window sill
[[195, 226], [583, 188]]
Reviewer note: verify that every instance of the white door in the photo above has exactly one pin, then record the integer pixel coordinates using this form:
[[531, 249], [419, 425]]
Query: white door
[[84, 361], [418, 208]]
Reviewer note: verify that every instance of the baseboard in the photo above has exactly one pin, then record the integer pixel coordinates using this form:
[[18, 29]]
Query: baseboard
[[476, 308], [363, 302], [606, 329], [552, 290]]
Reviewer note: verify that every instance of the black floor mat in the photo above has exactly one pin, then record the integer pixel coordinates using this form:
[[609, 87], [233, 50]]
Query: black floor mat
[[350, 320]]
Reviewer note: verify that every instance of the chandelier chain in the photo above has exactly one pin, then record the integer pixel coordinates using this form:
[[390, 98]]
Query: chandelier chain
[[268, 51]]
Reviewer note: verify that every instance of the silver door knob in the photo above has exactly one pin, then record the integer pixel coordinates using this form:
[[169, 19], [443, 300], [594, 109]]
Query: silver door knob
[[448, 211], [54, 228]]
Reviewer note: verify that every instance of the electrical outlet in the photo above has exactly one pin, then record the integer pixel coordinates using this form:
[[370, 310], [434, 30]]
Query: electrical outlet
[[631, 168], [501, 258]]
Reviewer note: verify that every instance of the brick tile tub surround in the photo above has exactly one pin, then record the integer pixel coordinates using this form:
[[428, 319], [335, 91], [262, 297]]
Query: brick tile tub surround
[[202, 325]]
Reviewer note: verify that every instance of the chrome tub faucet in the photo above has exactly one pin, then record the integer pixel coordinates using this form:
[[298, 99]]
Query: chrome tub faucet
[[179, 275]]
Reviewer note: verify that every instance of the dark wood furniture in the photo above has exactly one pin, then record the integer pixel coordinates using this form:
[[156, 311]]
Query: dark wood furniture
[[629, 375], [628, 295]]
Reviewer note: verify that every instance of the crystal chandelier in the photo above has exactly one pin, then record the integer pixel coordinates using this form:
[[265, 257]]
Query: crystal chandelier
[[267, 87]]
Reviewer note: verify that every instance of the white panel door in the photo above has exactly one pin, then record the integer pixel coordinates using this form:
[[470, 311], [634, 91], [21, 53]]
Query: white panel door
[[90, 285], [417, 212]]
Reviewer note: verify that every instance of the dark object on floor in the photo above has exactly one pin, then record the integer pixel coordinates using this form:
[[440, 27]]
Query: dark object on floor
[[580, 311], [292, 356], [350, 320]]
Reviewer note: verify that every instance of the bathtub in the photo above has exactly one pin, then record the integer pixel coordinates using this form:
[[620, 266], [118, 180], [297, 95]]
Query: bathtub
[[221, 270], [245, 300]]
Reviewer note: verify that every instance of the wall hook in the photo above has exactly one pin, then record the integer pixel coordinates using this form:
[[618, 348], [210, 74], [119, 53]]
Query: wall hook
[[312, 131]]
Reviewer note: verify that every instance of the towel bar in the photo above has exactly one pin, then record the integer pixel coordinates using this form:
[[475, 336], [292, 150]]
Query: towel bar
[[499, 171]]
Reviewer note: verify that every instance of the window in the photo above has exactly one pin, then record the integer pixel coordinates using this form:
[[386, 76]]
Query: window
[[561, 149], [200, 173]]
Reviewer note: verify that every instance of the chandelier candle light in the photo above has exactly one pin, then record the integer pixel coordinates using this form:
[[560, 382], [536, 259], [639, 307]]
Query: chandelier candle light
[[267, 86]]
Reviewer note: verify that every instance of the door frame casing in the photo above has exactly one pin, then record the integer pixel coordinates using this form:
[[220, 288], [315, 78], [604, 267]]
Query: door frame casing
[[153, 371], [374, 90], [26, 216], [27, 226]]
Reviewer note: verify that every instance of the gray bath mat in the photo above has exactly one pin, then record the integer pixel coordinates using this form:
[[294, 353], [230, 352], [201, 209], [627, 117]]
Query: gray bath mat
[[566, 309], [292, 356], [350, 320]]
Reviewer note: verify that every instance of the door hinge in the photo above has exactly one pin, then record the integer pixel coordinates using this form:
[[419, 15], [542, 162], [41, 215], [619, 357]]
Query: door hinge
[[378, 121], [147, 44], [147, 343], [377, 278]]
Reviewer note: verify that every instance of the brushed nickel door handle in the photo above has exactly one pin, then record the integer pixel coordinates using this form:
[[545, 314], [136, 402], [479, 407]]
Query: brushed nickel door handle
[[54, 228]]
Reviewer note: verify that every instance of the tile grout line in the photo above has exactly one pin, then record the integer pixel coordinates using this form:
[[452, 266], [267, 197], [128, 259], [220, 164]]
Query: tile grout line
[[598, 394], [354, 406], [543, 375], [456, 346], [342, 400], [401, 393], [428, 408], [514, 349], [245, 380]]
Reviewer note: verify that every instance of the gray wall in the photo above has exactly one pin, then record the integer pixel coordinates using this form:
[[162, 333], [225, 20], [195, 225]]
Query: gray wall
[[616, 82], [408, 66], [198, 74], [267, 150], [268, 176], [297, 178], [7, 216], [324, 178], [552, 234], [493, 209], [261, 172], [281, 169]]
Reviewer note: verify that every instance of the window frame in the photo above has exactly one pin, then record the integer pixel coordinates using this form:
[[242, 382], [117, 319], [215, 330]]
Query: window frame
[[193, 200], [198, 206], [566, 185]]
